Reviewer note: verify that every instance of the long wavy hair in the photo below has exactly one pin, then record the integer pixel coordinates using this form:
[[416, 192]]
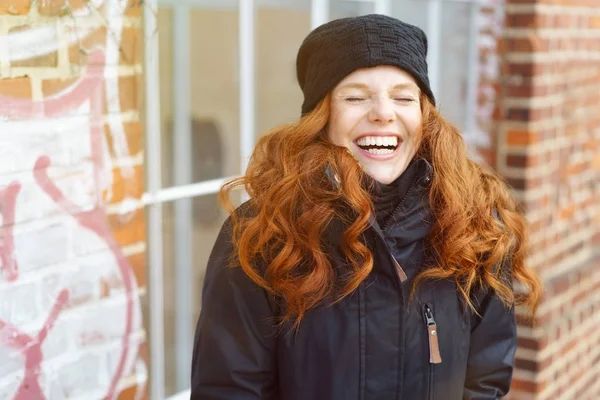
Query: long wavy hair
[[293, 202]]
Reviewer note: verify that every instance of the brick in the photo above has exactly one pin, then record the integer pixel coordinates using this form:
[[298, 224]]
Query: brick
[[129, 96], [47, 60], [138, 265], [562, 21], [527, 69], [595, 164], [568, 347], [79, 50], [534, 366], [540, 224], [489, 155], [128, 230], [134, 135], [82, 375], [10, 362], [140, 389], [51, 87], [131, 46], [527, 89], [527, 45], [533, 344], [134, 8], [129, 393], [521, 161], [127, 186], [576, 169], [527, 386], [521, 114], [59, 7], [517, 183], [19, 304], [528, 365], [54, 251], [528, 20], [15, 7], [522, 138], [16, 87]]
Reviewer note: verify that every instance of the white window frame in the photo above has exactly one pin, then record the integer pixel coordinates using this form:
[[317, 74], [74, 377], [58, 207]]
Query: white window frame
[[156, 196]]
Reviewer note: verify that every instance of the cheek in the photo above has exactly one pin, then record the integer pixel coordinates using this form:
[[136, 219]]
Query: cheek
[[337, 132], [412, 122]]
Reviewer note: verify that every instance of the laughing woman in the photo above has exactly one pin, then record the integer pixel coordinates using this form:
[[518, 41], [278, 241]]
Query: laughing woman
[[373, 260]]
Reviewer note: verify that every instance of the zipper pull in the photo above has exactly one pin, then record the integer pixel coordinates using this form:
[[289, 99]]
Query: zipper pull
[[399, 269], [432, 332]]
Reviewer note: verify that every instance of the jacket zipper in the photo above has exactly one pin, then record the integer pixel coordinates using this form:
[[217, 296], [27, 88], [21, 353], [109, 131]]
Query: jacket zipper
[[432, 333], [434, 348], [401, 274]]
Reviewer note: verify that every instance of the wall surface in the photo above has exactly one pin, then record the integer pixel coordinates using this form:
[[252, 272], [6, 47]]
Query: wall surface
[[548, 148], [72, 243]]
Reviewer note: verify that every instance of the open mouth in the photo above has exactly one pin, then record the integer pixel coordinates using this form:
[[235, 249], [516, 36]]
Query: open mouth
[[378, 145]]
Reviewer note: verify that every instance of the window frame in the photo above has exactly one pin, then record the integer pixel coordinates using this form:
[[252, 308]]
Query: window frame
[[156, 196]]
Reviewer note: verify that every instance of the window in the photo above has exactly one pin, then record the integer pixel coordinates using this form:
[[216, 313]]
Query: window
[[219, 74]]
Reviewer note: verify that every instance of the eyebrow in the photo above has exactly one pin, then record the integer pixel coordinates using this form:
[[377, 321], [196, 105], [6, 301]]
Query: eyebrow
[[364, 86]]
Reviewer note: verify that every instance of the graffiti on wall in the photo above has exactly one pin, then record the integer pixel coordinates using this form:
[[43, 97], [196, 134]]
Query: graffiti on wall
[[70, 315]]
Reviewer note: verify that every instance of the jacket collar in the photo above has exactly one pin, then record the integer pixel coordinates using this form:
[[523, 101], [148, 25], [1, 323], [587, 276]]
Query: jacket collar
[[412, 218]]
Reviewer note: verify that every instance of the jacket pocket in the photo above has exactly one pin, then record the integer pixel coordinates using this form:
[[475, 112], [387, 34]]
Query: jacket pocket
[[434, 345]]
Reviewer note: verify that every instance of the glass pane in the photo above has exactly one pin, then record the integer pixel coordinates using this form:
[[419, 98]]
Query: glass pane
[[214, 94], [455, 73], [454, 42], [279, 33], [411, 11], [346, 8], [190, 227]]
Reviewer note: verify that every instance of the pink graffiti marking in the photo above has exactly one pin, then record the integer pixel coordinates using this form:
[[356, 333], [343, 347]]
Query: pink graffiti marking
[[32, 349], [94, 220], [87, 88], [8, 200]]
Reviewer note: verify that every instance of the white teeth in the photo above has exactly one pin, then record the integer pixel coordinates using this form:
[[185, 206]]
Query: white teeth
[[378, 141], [380, 151]]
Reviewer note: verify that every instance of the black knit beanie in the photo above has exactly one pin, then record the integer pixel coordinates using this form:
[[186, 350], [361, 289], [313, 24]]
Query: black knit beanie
[[339, 47]]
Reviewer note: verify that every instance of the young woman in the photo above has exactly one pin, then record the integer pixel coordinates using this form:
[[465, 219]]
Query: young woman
[[373, 260]]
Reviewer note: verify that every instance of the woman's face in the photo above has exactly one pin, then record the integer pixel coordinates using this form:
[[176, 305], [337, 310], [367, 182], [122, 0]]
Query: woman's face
[[375, 113]]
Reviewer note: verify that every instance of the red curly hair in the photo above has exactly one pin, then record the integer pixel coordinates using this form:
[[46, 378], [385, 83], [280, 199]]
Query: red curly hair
[[293, 203]]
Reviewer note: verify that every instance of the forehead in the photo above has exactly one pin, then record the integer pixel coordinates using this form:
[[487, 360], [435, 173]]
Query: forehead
[[378, 77]]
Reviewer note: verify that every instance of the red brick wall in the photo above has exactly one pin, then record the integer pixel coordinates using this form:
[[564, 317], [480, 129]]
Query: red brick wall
[[547, 141], [72, 239]]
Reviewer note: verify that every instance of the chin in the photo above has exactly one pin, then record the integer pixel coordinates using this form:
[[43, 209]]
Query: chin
[[382, 177]]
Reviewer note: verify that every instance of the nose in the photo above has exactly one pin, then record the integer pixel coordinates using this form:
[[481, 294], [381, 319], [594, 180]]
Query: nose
[[382, 111]]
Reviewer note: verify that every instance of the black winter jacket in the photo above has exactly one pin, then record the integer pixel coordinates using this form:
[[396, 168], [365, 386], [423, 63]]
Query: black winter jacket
[[376, 344]]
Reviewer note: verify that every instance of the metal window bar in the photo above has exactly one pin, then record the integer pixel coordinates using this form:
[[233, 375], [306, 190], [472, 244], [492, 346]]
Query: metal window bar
[[153, 150], [319, 12], [470, 122], [383, 7], [182, 175], [434, 23], [246, 57], [186, 191]]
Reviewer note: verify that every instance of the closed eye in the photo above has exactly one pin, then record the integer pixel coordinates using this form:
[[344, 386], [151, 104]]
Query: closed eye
[[354, 99]]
